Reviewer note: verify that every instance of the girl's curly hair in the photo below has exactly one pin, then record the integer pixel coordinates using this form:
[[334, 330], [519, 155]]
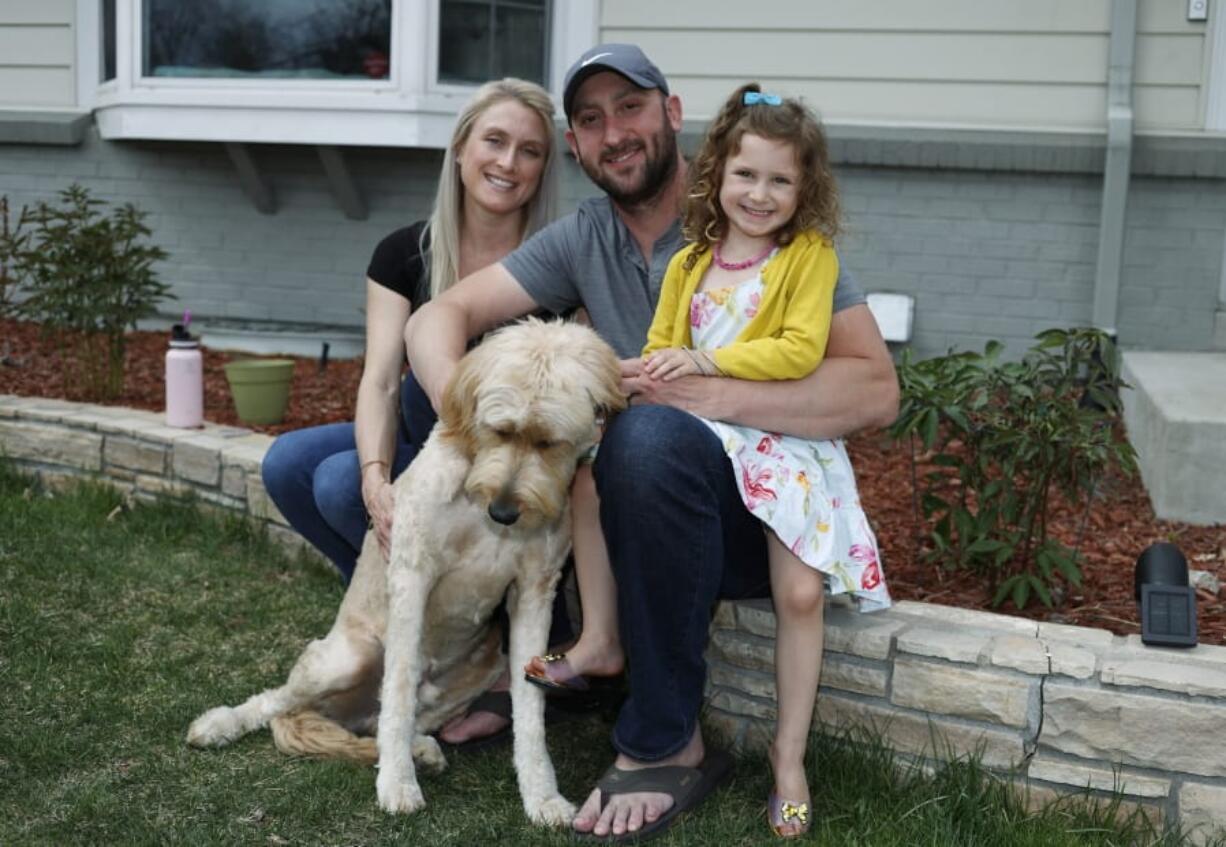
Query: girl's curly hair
[[704, 221]]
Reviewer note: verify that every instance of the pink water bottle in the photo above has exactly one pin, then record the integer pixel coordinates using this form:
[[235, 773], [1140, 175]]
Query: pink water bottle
[[184, 378]]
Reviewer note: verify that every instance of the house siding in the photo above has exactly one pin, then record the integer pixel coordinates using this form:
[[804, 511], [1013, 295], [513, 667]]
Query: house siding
[[37, 53], [986, 254], [1001, 64]]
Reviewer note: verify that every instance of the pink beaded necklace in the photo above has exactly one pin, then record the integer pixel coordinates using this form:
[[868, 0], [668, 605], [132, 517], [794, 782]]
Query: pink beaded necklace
[[738, 266]]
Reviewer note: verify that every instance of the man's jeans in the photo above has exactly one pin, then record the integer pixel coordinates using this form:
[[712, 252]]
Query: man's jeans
[[312, 475], [680, 539]]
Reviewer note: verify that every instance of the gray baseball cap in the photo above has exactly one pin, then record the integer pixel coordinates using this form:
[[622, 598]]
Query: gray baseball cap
[[625, 59]]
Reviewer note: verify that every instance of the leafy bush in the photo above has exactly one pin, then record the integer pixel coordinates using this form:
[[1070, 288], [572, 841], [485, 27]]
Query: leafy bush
[[86, 277], [1000, 438]]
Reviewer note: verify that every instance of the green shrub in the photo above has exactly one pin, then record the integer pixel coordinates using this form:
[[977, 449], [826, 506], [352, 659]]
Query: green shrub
[[86, 277], [1002, 438]]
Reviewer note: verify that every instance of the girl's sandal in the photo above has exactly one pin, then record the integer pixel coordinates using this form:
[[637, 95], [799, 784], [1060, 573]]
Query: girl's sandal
[[787, 819]]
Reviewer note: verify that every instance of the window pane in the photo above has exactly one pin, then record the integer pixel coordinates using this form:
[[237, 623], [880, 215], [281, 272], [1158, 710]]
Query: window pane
[[307, 39], [108, 40], [480, 40]]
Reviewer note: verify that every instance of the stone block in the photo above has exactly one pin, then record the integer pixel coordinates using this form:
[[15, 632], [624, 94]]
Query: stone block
[[1134, 729], [957, 644], [1020, 653], [128, 422], [198, 459], [132, 454], [1202, 811], [1072, 661], [725, 615], [969, 618], [1080, 775], [851, 675], [1081, 636], [234, 481], [163, 434], [1176, 420], [756, 616], [246, 450], [739, 704], [259, 504], [962, 692], [55, 445], [921, 735], [44, 409], [728, 728], [754, 683], [148, 487], [858, 634], [1167, 674], [743, 650]]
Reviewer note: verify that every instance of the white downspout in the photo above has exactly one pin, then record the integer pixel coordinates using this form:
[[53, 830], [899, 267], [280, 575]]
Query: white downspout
[[1118, 166]]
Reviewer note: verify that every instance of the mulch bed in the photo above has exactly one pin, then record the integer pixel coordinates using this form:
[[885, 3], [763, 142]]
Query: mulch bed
[[1119, 525]]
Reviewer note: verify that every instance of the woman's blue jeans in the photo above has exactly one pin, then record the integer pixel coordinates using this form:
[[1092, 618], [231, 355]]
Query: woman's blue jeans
[[679, 540], [312, 475]]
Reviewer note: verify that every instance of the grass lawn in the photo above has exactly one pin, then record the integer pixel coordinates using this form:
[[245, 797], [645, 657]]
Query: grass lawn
[[118, 626]]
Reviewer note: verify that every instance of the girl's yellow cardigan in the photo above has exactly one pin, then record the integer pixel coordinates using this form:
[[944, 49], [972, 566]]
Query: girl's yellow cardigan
[[787, 338]]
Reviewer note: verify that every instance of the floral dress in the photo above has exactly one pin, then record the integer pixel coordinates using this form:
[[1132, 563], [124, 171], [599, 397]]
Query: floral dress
[[803, 490]]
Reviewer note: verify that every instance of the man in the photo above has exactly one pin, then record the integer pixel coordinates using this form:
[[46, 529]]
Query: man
[[678, 536]]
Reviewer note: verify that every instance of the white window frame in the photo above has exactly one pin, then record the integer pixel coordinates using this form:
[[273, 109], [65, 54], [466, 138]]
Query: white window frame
[[409, 109]]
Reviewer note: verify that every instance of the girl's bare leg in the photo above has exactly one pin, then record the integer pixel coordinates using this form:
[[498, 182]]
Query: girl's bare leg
[[598, 651], [798, 592]]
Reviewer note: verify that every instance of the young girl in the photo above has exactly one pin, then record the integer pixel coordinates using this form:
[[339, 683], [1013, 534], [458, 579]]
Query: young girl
[[751, 298]]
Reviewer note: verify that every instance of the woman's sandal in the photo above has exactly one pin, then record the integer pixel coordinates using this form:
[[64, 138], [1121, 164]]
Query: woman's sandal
[[782, 813]]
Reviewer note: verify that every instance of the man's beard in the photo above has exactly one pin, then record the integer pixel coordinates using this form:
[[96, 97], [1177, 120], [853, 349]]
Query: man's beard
[[658, 171]]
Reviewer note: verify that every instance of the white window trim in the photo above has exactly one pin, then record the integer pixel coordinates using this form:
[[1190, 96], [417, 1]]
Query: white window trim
[[1215, 88], [408, 109]]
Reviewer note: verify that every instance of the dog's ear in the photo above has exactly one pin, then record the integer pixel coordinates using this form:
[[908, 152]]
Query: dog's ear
[[604, 383], [459, 406]]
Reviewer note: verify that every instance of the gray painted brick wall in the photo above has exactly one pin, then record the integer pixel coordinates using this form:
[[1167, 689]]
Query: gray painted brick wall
[[986, 254]]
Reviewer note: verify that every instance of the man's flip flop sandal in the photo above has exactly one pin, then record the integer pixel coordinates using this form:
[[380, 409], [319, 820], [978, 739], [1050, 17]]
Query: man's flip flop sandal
[[687, 786]]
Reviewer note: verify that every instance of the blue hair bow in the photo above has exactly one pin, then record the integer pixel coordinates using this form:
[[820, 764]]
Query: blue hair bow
[[753, 98]]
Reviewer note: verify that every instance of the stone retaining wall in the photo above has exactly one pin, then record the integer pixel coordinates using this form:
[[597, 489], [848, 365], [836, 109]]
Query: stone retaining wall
[[1069, 707]]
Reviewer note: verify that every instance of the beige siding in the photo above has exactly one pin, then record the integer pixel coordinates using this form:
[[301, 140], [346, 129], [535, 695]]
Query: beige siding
[[993, 63], [37, 53]]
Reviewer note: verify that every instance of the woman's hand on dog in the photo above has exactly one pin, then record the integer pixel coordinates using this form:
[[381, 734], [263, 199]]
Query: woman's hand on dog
[[379, 499]]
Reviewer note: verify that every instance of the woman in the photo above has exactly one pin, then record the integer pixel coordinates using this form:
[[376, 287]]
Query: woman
[[331, 482]]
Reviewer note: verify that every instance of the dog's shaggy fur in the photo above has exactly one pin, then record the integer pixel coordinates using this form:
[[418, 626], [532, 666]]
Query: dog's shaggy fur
[[483, 511]]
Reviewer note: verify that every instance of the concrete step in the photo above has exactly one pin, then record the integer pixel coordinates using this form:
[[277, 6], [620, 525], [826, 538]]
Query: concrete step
[[1176, 420]]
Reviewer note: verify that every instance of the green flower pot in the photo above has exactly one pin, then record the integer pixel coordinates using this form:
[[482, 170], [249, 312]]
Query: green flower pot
[[260, 388]]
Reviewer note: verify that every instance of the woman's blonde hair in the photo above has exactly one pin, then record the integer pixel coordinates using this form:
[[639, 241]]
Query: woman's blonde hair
[[817, 205], [443, 231]]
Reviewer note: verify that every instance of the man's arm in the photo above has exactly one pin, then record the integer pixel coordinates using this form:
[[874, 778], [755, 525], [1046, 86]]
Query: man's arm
[[437, 334], [854, 388]]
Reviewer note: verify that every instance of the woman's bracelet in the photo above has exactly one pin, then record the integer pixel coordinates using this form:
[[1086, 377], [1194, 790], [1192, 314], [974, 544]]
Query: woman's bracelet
[[362, 467]]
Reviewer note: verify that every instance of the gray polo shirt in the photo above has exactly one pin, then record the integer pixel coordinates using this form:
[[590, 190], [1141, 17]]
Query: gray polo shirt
[[590, 259]]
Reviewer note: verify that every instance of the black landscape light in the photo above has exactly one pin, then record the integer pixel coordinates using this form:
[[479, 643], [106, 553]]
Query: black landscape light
[[1168, 603]]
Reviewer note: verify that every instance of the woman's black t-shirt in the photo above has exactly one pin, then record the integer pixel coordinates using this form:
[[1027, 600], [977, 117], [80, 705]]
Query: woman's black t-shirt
[[398, 264]]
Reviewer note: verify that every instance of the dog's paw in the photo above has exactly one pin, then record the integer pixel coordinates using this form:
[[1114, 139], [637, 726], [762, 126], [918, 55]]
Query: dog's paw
[[397, 796], [555, 811], [215, 728], [427, 753]]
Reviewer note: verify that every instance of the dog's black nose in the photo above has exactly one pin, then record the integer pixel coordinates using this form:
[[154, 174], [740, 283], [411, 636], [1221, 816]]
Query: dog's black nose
[[505, 513]]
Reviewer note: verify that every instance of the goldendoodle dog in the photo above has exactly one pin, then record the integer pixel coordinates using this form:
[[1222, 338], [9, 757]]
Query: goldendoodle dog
[[482, 512]]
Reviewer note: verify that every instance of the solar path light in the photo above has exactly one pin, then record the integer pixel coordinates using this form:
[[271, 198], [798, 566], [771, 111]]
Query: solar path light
[[1168, 603]]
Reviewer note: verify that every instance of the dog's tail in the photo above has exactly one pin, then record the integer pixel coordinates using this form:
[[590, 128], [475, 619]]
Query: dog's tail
[[309, 733]]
